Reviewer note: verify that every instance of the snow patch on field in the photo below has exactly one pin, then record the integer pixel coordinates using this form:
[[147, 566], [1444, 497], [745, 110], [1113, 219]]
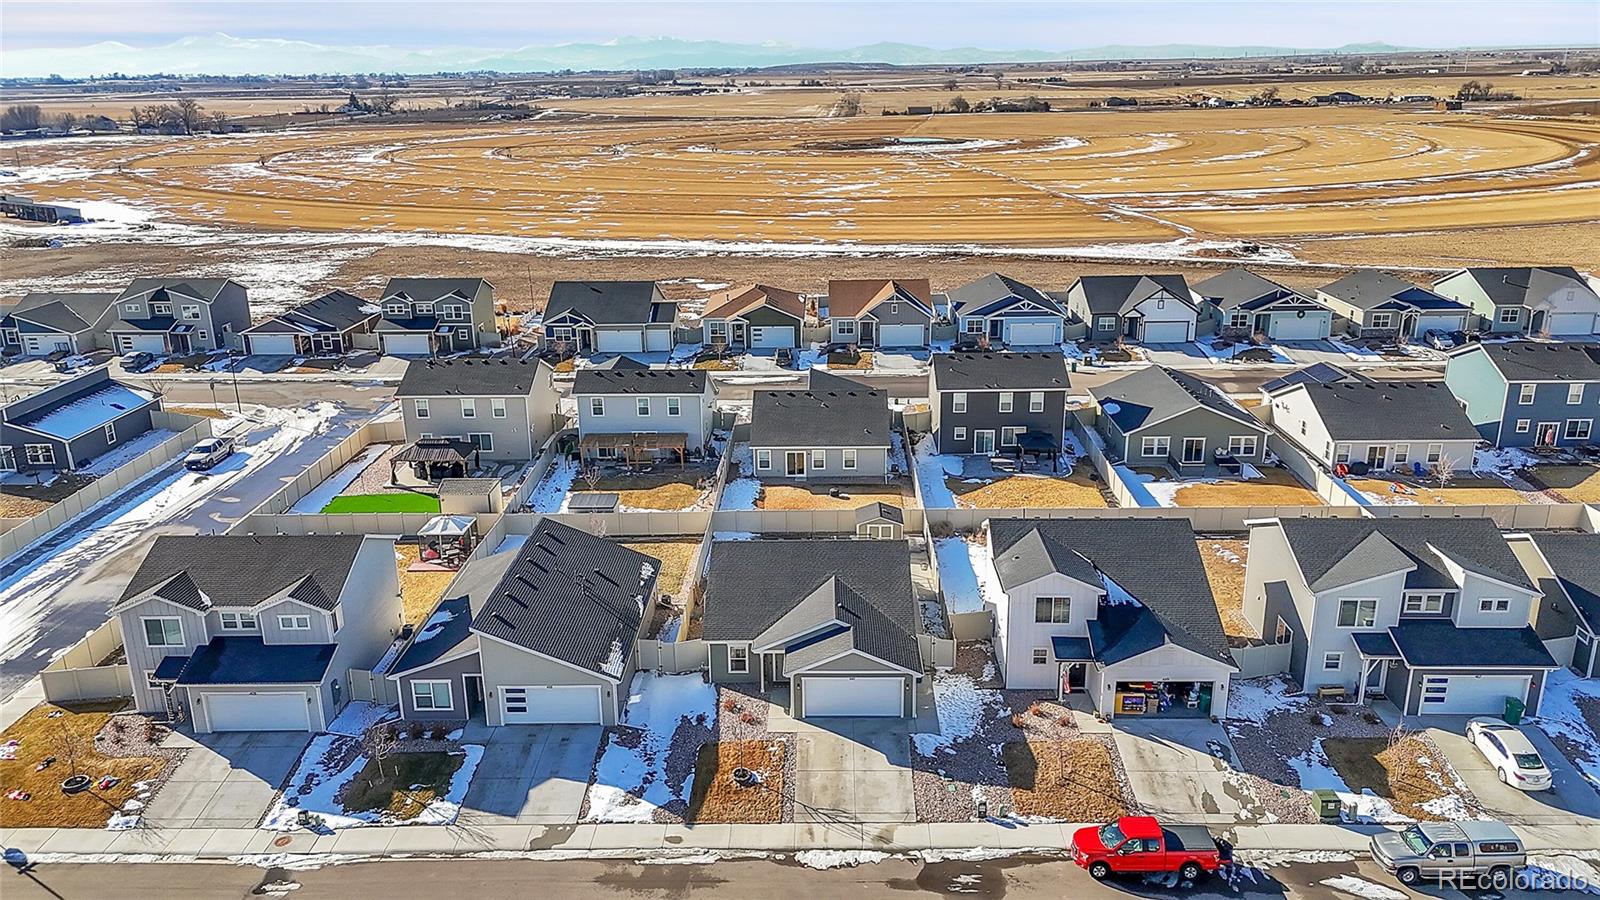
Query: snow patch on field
[[630, 782], [961, 706]]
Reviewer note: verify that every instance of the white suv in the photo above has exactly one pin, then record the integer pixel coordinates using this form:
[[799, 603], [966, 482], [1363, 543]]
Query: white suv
[[1511, 753]]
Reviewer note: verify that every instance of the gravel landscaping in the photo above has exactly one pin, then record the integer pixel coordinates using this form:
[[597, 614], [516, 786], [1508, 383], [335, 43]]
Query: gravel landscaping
[[746, 720]]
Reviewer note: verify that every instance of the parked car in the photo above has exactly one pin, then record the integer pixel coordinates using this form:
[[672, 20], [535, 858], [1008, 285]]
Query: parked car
[[1440, 339], [1513, 756], [1479, 851], [137, 360], [1142, 845], [208, 453]]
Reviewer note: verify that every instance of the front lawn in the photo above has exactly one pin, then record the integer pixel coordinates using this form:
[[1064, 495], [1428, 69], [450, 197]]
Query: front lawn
[[62, 732], [339, 782], [1071, 780], [1409, 773], [716, 797], [403, 785], [396, 502]]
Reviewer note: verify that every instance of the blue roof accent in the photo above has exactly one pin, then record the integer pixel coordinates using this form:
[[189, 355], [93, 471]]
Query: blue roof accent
[[1376, 645], [444, 635], [1071, 649], [1439, 643], [1423, 298], [170, 668], [249, 660], [819, 637]]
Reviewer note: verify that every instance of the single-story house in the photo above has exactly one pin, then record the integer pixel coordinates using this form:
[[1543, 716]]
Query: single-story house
[[1241, 304], [326, 326], [1145, 309], [609, 317], [66, 426], [1528, 393], [996, 401], [1382, 425], [1372, 304], [757, 317], [835, 430], [1552, 301], [1161, 416], [996, 310], [887, 313], [41, 324]]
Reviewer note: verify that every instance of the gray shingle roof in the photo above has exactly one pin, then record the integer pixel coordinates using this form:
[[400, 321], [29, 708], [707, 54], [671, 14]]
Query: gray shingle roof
[[832, 412], [338, 309], [754, 584], [1519, 285], [1120, 293], [429, 289], [572, 596], [1540, 361], [993, 290], [1335, 552], [1391, 411], [1000, 371], [639, 381], [1155, 393], [469, 377], [1239, 287], [1316, 373], [243, 570], [249, 660], [1370, 289], [879, 510], [63, 312], [1154, 560], [1438, 643], [200, 288], [1575, 558], [608, 302]]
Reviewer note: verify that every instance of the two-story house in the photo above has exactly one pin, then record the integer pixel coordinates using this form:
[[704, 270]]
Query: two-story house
[[1239, 304], [991, 402], [835, 430], [179, 315], [1145, 309], [1395, 425], [1528, 393], [1552, 301], [40, 324], [502, 408], [609, 317], [1566, 568], [437, 316], [997, 311], [633, 412], [327, 326], [65, 426], [887, 313], [757, 317], [1377, 305], [1118, 609], [257, 632], [1430, 613], [1159, 416]]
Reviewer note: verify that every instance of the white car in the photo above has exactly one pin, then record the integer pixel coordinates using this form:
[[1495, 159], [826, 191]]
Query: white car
[[1511, 753]]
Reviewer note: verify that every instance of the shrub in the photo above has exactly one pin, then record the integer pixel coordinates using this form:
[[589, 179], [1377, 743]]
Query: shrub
[[730, 704], [1016, 720], [1064, 721], [747, 717], [1038, 709]]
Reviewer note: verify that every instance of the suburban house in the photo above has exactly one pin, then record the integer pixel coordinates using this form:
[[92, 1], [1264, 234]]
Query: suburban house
[[179, 316], [757, 317], [326, 326], [834, 620], [496, 408], [835, 430], [1147, 309], [437, 316], [1430, 613], [609, 317], [996, 310], [984, 403], [1371, 304], [1553, 301], [40, 324], [543, 634], [1161, 416], [1244, 305], [1400, 425], [257, 632], [67, 425], [1528, 393], [1117, 609], [880, 312], [632, 412], [1566, 569]]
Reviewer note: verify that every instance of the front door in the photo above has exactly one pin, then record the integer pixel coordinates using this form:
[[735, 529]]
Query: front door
[[1546, 434], [1378, 456], [474, 693], [1264, 323], [869, 333], [1194, 451], [794, 463], [983, 442], [1073, 678]]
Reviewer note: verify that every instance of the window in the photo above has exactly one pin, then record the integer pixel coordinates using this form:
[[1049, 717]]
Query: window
[[203, 336], [469, 409], [1402, 452], [597, 406], [674, 406], [1161, 303], [40, 454], [1282, 634], [396, 310], [1574, 394], [161, 309], [1005, 401], [974, 326], [130, 307], [1332, 661], [1382, 320], [1156, 446], [738, 659], [431, 695], [424, 309], [163, 631], [111, 432], [1036, 401], [1424, 603], [850, 458], [641, 406], [1435, 452], [1357, 613], [958, 402], [1009, 435], [819, 459], [1054, 610], [959, 433], [483, 440], [420, 406], [1239, 320], [451, 310], [191, 312], [1525, 394], [335, 617], [497, 407], [1510, 314], [1524, 425], [1341, 453], [1041, 656], [763, 460], [1105, 323], [844, 328], [1494, 605], [1242, 445], [238, 621], [1577, 429], [294, 623]]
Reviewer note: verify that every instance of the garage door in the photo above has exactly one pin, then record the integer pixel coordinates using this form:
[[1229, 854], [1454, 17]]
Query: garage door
[[908, 336], [258, 712], [536, 705], [406, 345], [1471, 694], [660, 339], [1571, 323], [1032, 334], [1292, 327], [1457, 322], [771, 336], [1167, 332], [272, 344], [148, 343], [619, 341], [857, 696]]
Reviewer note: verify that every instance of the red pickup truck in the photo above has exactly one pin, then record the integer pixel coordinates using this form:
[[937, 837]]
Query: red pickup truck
[[1141, 845]]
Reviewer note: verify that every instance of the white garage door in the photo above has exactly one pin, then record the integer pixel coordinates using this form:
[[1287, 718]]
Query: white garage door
[[1471, 694], [619, 341], [1167, 332], [258, 712], [1571, 323], [906, 336], [535, 705], [406, 344], [148, 343], [867, 695], [272, 344], [660, 339], [1441, 322], [1032, 334], [1292, 327], [771, 336]]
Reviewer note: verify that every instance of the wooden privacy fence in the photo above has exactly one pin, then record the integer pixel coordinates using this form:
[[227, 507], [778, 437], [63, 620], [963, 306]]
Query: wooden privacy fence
[[78, 675]]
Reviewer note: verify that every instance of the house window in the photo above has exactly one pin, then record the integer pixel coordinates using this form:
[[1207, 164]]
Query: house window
[[605, 453], [1523, 425], [1574, 394], [1282, 634], [469, 409], [974, 326], [1005, 401], [1424, 603], [1525, 394], [191, 312], [642, 406], [850, 458], [1435, 452], [161, 309], [1509, 315], [497, 407], [1105, 323], [844, 328], [1041, 656], [237, 621], [1242, 445], [163, 631], [1054, 610], [130, 307], [958, 433], [1156, 446], [294, 623], [1036, 401], [483, 440], [1161, 303], [1357, 613], [424, 309], [431, 695], [1341, 453], [674, 406], [819, 459], [738, 660], [958, 402], [421, 407], [1494, 605], [1332, 662], [1402, 452], [763, 460], [451, 310], [203, 336], [1382, 320], [597, 406], [111, 432], [1578, 429], [40, 454], [396, 310], [1009, 435], [561, 333], [334, 616]]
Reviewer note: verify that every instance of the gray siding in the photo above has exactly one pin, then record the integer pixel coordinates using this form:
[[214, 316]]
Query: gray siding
[[1549, 405], [450, 670], [229, 315], [321, 631], [1196, 423], [504, 664], [621, 415], [1280, 604], [517, 436], [717, 664], [143, 659], [983, 412], [872, 463]]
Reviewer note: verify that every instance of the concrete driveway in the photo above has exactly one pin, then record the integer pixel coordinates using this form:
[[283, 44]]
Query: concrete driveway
[[853, 769], [227, 780], [1179, 769], [530, 774], [1568, 796]]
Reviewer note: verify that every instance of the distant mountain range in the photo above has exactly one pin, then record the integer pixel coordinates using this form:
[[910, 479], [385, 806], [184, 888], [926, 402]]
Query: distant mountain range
[[220, 54]]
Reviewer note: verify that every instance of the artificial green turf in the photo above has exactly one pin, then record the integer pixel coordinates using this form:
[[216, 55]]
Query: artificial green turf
[[398, 502]]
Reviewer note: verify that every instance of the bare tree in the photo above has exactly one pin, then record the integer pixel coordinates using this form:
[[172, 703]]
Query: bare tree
[[69, 745], [1443, 471], [959, 104], [950, 84], [21, 117], [590, 476], [999, 80], [379, 742], [188, 115]]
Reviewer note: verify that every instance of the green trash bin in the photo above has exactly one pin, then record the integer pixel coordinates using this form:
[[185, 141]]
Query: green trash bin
[[1514, 710], [1327, 804]]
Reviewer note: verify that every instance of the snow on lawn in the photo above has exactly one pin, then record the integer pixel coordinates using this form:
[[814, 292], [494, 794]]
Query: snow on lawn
[[631, 782], [1139, 485], [359, 715], [334, 485], [1226, 354], [126, 453], [961, 706], [1316, 773], [931, 470], [966, 574], [316, 785], [1562, 718], [1502, 461], [551, 494], [1256, 700], [1360, 887], [741, 492]]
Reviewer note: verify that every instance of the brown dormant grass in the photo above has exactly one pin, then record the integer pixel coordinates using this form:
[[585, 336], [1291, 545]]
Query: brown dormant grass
[[1461, 491], [1030, 489], [675, 557], [1072, 780], [815, 496], [1225, 564], [1579, 484], [419, 591], [1276, 487], [38, 734], [716, 798]]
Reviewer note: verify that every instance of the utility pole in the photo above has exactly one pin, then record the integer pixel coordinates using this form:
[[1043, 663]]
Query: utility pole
[[238, 403]]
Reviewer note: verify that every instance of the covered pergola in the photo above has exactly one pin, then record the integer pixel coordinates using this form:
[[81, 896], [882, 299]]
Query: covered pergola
[[636, 446], [1377, 648], [435, 459]]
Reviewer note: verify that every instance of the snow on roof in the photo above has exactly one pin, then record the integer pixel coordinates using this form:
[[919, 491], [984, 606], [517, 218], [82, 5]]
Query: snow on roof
[[434, 625], [88, 412]]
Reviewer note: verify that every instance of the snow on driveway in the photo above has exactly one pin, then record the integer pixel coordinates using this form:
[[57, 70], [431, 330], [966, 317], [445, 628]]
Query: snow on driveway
[[643, 765]]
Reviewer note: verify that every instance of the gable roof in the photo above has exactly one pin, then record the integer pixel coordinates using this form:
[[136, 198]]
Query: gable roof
[[338, 309], [1393, 410], [831, 412], [1336, 552], [1522, 285], [469, 377], [1541, 361], [851, 297], [1156, 561], [211, 570], [1000, 371], [1316, 373], [1240, 287], [1120, 293], [740, 301], [1371, 289], [426, 290], [573, 597], [1440, 643], [1575, 560], [98, 403], [994, 292], [1156, 393], [62, 312], [205, 289], [609, 302], [639, 381], [450, 622]]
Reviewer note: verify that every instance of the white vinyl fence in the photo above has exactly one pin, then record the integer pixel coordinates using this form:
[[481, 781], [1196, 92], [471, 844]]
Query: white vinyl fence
[[366, 685], [672, 657], [388, 431], [1262, 659], [78, 675]]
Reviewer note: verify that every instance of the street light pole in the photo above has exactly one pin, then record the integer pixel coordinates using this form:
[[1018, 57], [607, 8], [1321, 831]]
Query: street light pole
[[238, 403]]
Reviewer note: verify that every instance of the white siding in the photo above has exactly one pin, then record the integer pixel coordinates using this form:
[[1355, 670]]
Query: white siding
[[1020, 634]]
